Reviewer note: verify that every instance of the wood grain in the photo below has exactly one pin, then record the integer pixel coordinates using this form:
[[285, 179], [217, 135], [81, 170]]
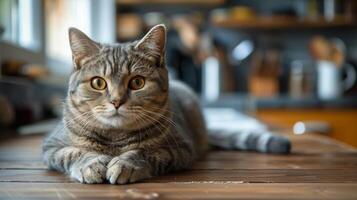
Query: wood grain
[[241, 160], [189, 190], [243, 175], [318, 168]]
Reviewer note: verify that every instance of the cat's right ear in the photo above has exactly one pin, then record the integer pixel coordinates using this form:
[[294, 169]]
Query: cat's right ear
[[82, 46]]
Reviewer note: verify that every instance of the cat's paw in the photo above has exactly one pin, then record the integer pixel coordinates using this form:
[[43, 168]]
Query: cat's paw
[[121, 171], [91, 170]]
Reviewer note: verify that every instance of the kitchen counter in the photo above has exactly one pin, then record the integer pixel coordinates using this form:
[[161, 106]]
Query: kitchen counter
[[242, 101], [318, 168]]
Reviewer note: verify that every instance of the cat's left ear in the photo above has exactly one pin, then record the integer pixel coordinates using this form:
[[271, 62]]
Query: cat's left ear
[[153, 43]]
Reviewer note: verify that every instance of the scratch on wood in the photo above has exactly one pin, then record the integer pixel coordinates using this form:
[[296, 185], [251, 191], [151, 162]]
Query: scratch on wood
[[9, 195], [58, 194], [137, 194], [69, 193], [210, 182]]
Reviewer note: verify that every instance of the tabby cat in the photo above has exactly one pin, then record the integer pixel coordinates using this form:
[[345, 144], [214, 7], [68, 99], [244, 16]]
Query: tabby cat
[[124, 122]]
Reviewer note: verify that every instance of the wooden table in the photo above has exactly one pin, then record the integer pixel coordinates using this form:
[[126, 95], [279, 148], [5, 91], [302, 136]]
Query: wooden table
[[318, 168]]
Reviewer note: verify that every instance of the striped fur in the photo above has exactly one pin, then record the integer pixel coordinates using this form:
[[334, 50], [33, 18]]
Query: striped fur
[[150, 135], [157, 129], [262, 141]]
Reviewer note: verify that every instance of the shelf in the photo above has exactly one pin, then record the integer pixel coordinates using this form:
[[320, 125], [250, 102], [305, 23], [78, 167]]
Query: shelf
[[170, 2], [242, 101], [281, 23]]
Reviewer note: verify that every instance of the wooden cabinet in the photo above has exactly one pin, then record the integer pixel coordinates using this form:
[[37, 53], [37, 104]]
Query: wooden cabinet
[[342, 121]]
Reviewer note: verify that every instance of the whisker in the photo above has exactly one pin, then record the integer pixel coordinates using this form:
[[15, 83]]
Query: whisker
[[160, 126], [167, 132]]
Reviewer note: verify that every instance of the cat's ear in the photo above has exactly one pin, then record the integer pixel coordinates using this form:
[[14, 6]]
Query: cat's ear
[[153, 43], [82, 46]]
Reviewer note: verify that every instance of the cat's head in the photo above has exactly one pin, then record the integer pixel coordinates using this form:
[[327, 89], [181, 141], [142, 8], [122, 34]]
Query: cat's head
[[122, 86]]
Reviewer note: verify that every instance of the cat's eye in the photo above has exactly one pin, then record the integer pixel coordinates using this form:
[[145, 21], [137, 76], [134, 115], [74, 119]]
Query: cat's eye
[[98, 83], [137, 83]]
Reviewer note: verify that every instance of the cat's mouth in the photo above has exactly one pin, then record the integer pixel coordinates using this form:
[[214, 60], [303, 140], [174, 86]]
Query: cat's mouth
[[121, 114], [117, 114]]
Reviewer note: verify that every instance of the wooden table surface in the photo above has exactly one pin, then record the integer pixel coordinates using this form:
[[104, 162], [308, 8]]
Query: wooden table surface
[[318, 168]]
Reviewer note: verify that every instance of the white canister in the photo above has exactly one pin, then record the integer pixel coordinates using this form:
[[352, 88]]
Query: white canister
[[329, 80]]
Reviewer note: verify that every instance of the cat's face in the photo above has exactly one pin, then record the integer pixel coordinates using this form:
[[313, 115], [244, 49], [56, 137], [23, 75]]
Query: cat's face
[[120, 86]]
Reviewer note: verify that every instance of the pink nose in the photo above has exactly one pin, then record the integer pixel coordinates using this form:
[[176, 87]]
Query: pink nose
[[117, 103]]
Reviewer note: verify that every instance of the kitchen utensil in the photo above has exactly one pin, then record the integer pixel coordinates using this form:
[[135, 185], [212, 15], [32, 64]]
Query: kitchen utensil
[[330, 50], [264, 77], [301, 80], [320, 48]]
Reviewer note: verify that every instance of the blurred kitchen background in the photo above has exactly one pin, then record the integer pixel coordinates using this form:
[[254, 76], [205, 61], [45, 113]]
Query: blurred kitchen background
[[290, 63]]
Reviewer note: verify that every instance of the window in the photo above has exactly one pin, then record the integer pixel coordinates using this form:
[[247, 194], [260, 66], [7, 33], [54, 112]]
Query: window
[[20, 21], [60, 15], [41, 26], [95, 18]]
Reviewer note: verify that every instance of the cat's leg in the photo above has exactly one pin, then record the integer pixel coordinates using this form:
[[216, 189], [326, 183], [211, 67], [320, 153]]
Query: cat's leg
[[136, 165], [81, 165], [90, 168], [128, 167]]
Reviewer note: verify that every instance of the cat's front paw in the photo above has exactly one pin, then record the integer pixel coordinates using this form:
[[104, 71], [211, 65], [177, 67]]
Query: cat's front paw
[[121, 171], [91, 170]]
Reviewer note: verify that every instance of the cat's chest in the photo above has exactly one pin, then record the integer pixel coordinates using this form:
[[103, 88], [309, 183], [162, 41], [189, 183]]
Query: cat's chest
[[114, 148]]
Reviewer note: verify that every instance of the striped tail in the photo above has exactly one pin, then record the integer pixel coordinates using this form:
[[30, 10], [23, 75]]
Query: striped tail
[[261, 141]]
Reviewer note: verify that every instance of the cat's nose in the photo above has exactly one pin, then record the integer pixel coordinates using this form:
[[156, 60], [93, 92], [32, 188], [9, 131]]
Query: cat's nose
[[117, 103]]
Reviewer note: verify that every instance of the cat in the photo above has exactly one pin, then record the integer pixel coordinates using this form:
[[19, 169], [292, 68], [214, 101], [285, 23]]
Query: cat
[[124, 121]]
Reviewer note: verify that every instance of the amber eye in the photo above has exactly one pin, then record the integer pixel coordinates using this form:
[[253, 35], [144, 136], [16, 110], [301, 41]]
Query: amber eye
[[98, 83], [137, 83]]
